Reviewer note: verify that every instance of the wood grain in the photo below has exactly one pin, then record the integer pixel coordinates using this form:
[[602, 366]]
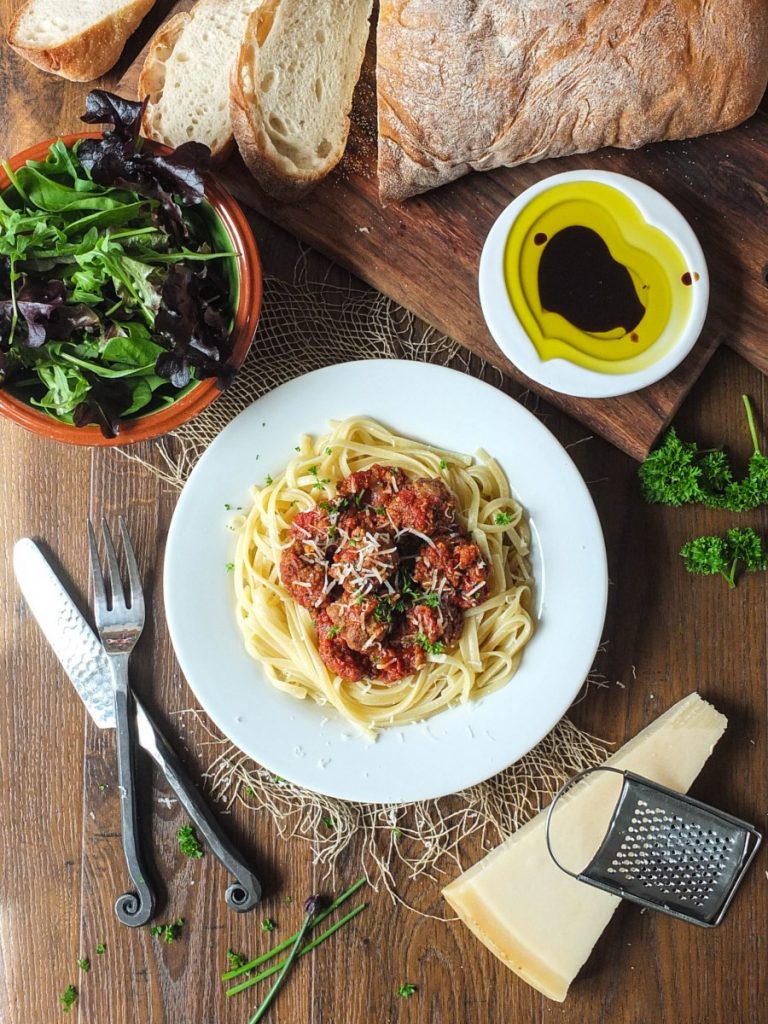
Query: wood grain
[[425, 253], [61, 863]]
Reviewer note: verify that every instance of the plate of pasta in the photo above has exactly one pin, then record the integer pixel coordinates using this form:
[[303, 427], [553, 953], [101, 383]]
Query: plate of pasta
[[385, 581]]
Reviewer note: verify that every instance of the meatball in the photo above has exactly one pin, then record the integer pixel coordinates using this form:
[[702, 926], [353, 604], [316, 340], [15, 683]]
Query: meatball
[[303, 566], [394, 661], [364, 561], [425, 505], [441, 625], [374, 486], [455, 568], [311, 527], [303, 579], [336, 655], [357, 623]]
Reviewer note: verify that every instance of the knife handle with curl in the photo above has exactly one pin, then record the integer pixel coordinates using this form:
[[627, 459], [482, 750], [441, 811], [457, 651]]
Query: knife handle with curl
[[245, 892]]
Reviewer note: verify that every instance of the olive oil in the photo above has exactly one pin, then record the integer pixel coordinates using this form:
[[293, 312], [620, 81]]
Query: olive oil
[[591, 281]]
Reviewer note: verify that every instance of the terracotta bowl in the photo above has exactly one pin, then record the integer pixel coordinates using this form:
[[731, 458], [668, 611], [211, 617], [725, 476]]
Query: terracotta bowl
[[143, 428]]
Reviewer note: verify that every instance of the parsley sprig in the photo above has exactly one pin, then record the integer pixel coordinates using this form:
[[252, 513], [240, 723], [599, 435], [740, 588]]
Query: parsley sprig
[[710, 555], [68, 998], [680, 473]]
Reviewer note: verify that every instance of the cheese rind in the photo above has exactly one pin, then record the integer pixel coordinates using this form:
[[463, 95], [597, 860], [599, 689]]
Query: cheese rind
[[538, 920]]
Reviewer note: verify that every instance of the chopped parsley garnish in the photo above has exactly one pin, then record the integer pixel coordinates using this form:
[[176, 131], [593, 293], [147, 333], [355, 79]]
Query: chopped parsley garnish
[[326, 506], [502, 518], [333, 632], [287, 900], [250, 791], [236, 959], [189, 844], [102, 786], [397, 832], [358, 499], [329, 822], [407, 990], [68, 998], [333, 533], [328, 451], [380, 510], [430, 599], [230, 566], [383, 611], [443, 464], [101, 948], [431, 648], [84, 964], [269, 480], [297, 448], [227, 507], [268, 925], [278, 778], [312, 470], [168, 932]]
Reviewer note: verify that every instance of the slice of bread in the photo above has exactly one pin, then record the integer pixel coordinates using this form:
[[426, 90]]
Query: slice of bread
[[186, 74], [76, 39], [292, 87]]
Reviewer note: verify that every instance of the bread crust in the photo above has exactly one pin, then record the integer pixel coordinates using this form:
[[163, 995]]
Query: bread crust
[[256, 148], [516, 81], [248, 127], [91, 53]]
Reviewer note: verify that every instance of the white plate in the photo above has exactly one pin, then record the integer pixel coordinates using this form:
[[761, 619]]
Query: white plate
[[561, 374], [310, 745]]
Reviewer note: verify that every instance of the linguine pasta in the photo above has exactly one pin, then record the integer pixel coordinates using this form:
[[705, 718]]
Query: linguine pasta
[[281, 635]]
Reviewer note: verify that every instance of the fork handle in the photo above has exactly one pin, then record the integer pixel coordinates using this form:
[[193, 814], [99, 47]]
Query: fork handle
[[132, 908]]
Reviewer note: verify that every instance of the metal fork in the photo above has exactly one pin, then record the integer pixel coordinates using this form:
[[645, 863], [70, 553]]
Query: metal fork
[[120, 625]]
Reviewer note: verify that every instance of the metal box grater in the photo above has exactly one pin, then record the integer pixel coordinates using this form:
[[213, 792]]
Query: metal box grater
[[667, 851]]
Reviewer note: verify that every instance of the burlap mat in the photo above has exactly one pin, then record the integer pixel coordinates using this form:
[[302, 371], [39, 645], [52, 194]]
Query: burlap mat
[[304, 326]]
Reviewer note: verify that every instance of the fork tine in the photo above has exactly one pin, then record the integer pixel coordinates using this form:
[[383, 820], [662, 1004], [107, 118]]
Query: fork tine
[[115, 583], [97, 580], [134, 577]]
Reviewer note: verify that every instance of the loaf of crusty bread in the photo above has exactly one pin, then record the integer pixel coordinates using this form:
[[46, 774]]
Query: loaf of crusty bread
[[477, 84], [186, 74], [76, 39], [292, 86]]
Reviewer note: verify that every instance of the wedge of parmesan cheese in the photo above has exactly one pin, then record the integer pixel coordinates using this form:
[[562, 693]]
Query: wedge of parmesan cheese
[[538, 920]]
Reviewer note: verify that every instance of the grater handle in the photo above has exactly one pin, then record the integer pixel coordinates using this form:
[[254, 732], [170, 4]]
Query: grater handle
[[560, 793]]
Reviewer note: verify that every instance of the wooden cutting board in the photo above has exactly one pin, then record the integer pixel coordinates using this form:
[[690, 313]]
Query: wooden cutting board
[[425, 252]]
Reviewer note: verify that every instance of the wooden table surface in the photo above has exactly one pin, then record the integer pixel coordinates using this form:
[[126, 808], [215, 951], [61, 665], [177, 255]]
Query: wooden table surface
[[61, 862]]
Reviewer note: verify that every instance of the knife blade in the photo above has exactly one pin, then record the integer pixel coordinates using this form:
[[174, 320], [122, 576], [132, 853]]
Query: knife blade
[[84, 660]]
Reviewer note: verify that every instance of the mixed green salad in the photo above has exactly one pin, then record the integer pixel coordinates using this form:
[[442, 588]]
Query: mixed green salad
[[117, 282]]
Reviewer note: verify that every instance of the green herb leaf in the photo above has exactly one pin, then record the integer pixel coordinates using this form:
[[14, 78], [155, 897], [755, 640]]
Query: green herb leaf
[[407, 990], [236, 959], [329, 822], [189, 844], [268, 925], [269, 480], [84, 964], [230, 566], [101, 948], [68, 998], [431, 648], [168, 932], [502, 518]]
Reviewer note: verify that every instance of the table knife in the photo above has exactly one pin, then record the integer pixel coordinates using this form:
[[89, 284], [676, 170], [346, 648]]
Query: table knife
[[83, 659]]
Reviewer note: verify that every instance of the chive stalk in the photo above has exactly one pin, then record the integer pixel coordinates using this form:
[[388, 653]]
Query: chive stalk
[[302, 952], [311, 908], [292, 938]]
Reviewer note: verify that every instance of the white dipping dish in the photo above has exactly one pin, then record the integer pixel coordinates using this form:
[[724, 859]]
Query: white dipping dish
[[314, 746], [560, 374]]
